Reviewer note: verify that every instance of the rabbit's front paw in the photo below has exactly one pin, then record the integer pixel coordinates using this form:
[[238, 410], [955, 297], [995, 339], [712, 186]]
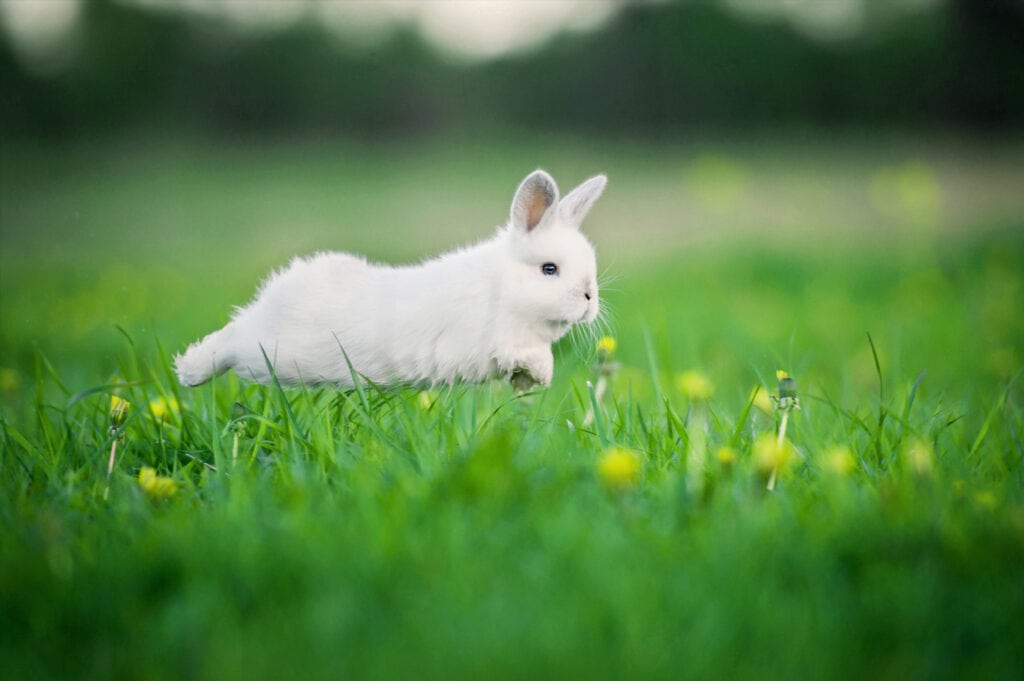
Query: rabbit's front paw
[[521, 381], [533, 368]]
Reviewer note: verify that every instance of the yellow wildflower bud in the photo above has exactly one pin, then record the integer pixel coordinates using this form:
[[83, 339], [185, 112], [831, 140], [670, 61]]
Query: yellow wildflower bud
[[607, 345], [118, 411], [840, 461], [618, 468], [726, 456], [787, 399], [156, 487], [918, 457], [787, 388], [695, 385], [771, 455]]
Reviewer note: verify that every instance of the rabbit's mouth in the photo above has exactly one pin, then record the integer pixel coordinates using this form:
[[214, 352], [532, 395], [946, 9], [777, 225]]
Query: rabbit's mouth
[[563, 325], [589, 313]]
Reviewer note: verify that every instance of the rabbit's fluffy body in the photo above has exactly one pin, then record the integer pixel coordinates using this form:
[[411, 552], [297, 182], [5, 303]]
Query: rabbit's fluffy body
[[486, 310]]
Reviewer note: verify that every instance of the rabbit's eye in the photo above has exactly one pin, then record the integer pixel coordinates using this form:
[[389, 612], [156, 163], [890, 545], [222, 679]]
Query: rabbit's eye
[[549, 268]]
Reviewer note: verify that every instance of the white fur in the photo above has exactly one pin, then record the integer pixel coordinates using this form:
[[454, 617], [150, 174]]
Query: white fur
[[474, 313]]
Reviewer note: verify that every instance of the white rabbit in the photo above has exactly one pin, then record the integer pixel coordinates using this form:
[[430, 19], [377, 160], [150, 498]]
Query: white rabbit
[[490, 309]]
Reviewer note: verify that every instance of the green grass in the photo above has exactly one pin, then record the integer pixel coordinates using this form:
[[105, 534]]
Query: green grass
[[465, 532]]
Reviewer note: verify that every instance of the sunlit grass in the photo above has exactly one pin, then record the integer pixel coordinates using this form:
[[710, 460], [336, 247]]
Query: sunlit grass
[[350, 525]]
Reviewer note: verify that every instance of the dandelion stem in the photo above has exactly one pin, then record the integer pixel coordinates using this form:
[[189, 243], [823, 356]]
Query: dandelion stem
[[110, 468], [782, 428]]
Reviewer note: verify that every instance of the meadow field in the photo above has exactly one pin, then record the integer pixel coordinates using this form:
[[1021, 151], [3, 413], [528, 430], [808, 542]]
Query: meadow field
[[618, 524]]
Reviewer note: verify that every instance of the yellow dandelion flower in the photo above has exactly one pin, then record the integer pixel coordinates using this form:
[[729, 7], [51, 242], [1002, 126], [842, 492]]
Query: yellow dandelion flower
[[840, 461], [771, 455], [695, 385], [762, 399], [163, 407], [726, 456], [618, 468], [918, 457], [118, 410], [780, 374], [607, 345], [156, 487]]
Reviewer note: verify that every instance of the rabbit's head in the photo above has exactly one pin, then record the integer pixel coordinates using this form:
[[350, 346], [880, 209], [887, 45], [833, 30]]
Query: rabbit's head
[[552, 272]]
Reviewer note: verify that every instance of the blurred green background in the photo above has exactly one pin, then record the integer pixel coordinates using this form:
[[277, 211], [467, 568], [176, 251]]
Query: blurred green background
[[373, 71], [784, 178]]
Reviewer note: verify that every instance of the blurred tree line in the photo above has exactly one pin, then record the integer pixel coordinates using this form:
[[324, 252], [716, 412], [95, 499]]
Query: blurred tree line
[[656, 68]]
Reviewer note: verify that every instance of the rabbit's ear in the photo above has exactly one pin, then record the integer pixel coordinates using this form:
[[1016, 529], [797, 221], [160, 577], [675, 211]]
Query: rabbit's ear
[[534, 201], [577, 203]]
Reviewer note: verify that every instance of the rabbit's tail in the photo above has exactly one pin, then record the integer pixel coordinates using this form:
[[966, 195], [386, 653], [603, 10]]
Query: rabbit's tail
[[204, 359]]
